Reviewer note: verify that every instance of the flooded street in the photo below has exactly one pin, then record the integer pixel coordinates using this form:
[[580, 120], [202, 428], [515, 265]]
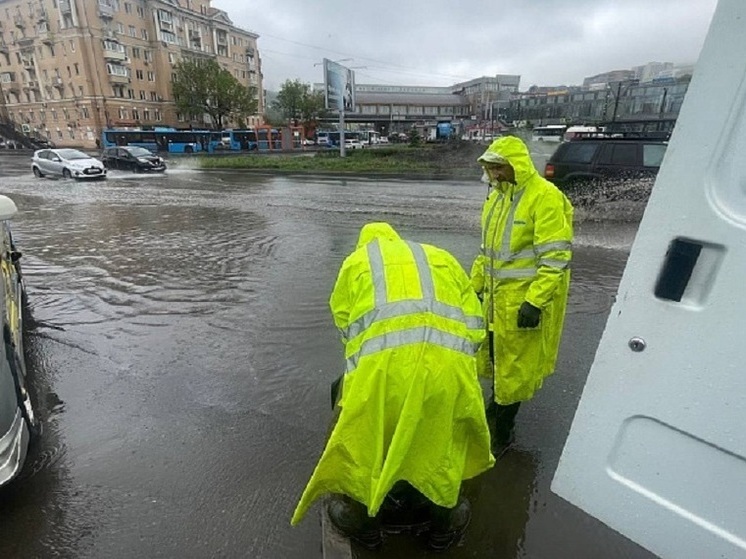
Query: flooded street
[[182, 349]]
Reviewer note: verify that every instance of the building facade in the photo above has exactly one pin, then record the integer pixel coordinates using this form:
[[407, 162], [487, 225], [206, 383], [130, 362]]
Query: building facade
[[70, 68], [629, 100], [396, 108]]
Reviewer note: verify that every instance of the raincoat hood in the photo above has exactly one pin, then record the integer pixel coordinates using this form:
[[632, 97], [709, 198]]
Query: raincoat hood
[[512, 150], [379, 230]]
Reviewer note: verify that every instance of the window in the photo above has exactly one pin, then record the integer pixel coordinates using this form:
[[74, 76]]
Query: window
[[69, 72], [135, 114], [168, 37], [136, 52], [123, 114], [141, 11], [144, 34], [132, 31], [620, 154], [80, 90], [117, 70], [151, 76], [130, 94], [142, 93], [59, 133], [120, 28], [157, 114], [153, 96], [148, 55], [581, 152], [652, 154], [146, 115], [77, 69], [84, 110], [72, 45], [139, 74], [71, 132], [127, 8]]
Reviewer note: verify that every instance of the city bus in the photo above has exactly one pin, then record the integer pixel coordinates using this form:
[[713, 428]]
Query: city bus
[[550, 133], [159, 139], [370, 137], [240, 140]]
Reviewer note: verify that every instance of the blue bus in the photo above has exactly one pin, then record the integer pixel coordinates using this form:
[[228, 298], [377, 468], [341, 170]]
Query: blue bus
[[159, 139], [240, 140]]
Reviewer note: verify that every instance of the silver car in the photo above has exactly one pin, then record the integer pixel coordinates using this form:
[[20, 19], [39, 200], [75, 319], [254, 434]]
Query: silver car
[[17, 420], [67, 163]]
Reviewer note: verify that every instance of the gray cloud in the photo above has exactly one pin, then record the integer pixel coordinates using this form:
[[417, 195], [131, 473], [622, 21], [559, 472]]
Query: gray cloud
[[439, 42]]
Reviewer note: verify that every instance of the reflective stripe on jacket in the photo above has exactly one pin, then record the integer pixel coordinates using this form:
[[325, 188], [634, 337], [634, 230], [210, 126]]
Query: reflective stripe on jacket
[[411, 406], [527, 234]]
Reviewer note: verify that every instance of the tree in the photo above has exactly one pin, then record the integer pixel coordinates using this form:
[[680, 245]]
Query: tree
[[298, 102], [203, 87]]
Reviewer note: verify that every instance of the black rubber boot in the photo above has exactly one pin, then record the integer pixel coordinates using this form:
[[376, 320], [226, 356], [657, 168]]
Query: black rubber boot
[[448, 525], [352, 520], [504, 428]]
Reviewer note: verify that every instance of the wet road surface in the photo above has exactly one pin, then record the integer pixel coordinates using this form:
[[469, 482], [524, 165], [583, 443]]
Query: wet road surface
[[182, 351]]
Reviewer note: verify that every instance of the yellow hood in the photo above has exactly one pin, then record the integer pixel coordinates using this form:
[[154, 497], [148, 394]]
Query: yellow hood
[[511, 150], [378, 230]]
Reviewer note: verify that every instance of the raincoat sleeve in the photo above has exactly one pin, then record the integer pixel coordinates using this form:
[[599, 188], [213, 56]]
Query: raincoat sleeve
[[470, 304], [477, 273], [553, 235], [339, 302]]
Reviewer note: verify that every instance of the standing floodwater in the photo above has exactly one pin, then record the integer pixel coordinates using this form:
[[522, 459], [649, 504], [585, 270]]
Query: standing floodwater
[[182, 349]]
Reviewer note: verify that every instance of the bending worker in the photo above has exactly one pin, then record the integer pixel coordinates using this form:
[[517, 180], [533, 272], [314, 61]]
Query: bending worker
[[411, 420], [523, 277]]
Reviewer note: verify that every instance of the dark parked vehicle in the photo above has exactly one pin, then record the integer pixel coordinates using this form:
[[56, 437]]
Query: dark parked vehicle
[[602, 158], [132, 158]]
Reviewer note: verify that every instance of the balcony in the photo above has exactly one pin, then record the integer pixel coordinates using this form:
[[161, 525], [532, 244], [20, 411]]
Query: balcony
[[116, 55], [19, 22], [194, 34], [4, 48], [250, 52], [65, 7], [28, 63], [116, 78], [31, 84], [9, 82], [25, 42], [41, 15], [47, 37], [106, 11], [58, 83], [222, 40]]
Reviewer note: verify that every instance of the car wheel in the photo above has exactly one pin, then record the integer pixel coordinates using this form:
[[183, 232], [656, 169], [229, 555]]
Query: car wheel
[[37, 172], [66, 174]]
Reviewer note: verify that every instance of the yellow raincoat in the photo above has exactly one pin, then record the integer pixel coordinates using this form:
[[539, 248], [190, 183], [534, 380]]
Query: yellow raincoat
[[527, 234], [411, 406]]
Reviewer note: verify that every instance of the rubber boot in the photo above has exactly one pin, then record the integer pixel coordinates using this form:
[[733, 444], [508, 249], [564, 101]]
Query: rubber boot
[[504, 428], [352, 520], [448, 525]]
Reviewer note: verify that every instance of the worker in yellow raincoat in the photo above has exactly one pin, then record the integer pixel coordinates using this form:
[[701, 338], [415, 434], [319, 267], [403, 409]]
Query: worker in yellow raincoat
[[411, 416], [523, 277]]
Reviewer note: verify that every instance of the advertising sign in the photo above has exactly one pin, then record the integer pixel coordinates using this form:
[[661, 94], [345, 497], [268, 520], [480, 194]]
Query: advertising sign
[[339, 87]]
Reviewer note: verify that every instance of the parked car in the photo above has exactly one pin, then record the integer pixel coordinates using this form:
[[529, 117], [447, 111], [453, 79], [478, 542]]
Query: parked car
[[598, 158], [383, 140], [18, 423], [67, 163], [133, 158], [353, 144]]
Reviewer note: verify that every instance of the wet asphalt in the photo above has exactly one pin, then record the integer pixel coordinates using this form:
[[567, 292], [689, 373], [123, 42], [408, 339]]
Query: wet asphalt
[[181, 351]]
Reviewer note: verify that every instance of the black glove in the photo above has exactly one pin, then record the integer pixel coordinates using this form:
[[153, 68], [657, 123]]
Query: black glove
[[528, 316]]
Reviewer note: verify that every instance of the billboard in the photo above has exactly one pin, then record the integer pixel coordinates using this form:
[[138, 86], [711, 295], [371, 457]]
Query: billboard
[[339, 87]]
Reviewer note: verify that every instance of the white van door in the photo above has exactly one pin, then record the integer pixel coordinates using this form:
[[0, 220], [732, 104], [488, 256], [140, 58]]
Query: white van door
[[657, 449]]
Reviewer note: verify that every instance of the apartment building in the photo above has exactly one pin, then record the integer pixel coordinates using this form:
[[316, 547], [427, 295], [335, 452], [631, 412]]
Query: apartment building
[[70, 68]]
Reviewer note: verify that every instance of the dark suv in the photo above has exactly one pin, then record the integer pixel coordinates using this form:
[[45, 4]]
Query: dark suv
[[599, 158]]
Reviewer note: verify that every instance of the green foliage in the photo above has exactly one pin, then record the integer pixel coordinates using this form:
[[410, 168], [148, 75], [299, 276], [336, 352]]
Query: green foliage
[[298, 103], [204, 87], [414, 137]]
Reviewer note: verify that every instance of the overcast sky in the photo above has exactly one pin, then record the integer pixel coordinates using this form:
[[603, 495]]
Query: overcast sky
[[441, 42]]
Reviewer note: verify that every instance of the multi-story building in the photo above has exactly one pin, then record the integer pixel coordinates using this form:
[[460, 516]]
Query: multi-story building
[[70, 68], [609, 77]]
